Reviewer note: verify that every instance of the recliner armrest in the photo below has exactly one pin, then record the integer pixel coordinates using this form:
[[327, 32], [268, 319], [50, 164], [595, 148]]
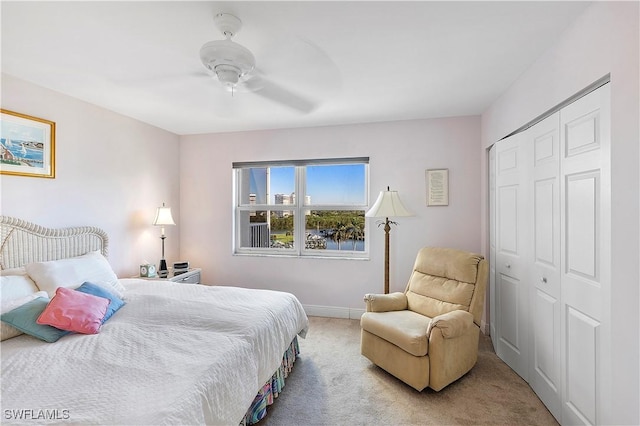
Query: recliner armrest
[[452, 324], [386, 302]]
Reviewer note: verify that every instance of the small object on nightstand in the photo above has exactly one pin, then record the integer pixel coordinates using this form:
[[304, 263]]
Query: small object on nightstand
[[181, 265], [190, 276], [148, 271], [180, 268]]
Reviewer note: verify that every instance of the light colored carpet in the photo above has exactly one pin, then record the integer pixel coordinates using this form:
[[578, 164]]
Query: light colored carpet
[[332, 384]]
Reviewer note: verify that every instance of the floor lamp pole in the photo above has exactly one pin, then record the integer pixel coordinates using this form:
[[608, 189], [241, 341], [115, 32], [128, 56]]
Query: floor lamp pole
[[387, 228]]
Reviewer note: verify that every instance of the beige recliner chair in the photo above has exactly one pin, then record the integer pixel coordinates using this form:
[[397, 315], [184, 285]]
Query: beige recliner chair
[[428, 335]]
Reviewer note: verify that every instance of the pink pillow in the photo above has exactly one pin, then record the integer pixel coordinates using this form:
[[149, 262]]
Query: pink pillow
[[75, 311]]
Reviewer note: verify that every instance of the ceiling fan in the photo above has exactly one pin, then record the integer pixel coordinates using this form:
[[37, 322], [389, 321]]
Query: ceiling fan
[[229, 60], [234, 66]]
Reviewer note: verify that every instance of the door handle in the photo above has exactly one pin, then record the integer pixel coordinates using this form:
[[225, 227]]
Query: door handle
[[544, 279]]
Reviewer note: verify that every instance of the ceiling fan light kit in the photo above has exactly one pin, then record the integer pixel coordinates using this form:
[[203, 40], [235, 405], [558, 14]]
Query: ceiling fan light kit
[[227, 59]]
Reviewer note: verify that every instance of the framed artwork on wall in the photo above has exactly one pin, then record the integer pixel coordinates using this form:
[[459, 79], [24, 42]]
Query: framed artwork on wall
[[437, 187], [27, 145]]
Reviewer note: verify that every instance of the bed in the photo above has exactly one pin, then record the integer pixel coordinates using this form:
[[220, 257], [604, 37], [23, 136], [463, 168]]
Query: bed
[[172, 354]]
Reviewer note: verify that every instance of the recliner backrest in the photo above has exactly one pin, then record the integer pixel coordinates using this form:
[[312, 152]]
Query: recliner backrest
[[444, 280]]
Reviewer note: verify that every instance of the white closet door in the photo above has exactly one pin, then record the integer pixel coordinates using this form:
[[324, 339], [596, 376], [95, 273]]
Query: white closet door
[[585, 238], [543, 147], [511, 246]]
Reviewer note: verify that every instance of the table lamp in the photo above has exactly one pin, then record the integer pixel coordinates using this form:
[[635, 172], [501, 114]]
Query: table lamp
[[163, 218]]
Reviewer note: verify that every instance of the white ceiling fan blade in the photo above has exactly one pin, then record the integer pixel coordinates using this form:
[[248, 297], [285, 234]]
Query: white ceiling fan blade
[[194, 88], [163, 81], [301, 66], [280, 94]]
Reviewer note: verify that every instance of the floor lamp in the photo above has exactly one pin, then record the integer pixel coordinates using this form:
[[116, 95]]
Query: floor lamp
[[163, 218], [387, 205]]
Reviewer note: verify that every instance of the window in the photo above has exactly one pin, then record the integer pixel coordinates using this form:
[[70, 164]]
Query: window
[[302, 208]]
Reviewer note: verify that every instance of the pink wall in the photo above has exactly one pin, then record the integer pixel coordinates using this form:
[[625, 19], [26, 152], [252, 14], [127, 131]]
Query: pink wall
[[399, 152], [111, 172], [605, 39]]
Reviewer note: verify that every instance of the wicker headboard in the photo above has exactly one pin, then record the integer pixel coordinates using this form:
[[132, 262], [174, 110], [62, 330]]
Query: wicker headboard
[[23, 242]]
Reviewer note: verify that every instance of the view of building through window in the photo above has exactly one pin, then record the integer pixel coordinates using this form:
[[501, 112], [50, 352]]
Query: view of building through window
[[329, 217]]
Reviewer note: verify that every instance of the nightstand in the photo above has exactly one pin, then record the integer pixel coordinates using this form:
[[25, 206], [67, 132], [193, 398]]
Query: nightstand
[[192, 276]]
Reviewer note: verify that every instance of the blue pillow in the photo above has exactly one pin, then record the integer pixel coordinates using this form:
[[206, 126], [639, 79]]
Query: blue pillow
[[96, 290], [24, 319]]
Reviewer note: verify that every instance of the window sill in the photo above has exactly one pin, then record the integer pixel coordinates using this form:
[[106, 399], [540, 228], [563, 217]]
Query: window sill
[[297, 256]]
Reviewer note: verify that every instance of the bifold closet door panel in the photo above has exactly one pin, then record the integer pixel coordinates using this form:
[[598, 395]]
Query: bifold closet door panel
[[585, 239], [511, 254], [543, 142]]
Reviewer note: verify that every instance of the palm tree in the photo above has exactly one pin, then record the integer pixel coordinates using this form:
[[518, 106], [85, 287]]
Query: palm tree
[[340, 233], [356, 232]]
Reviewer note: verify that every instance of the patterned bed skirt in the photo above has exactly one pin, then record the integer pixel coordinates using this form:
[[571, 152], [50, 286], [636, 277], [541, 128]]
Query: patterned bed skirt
[[273, 387]]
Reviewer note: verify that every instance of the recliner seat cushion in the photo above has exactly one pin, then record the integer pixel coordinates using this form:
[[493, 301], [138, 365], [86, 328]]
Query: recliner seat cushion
[[405, 329]]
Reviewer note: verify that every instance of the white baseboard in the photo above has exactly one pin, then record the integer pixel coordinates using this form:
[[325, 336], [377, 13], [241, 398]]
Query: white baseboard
[[333, 312], [353, 313], [356, 313]]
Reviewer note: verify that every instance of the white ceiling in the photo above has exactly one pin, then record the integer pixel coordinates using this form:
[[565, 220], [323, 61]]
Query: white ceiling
[[352, 62]]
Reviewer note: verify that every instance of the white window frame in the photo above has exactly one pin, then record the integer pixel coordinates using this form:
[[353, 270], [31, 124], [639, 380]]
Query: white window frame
[[299, 209]]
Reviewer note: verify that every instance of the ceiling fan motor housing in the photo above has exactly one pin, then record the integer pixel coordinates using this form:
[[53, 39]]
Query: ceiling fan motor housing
[[229, 60], [226, 58]]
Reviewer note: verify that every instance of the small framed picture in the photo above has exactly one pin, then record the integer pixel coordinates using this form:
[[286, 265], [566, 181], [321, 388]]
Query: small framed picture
[[437, 181], [27, 145]]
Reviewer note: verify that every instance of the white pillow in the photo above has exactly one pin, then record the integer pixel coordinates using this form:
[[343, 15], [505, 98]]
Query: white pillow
[[73, 272], [10, 305], [14, 271], [7, 331], [16, 289], [15, 286]]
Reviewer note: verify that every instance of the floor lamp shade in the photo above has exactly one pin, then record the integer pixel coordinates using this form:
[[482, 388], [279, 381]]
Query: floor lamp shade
[[163, 218], [387, 205]]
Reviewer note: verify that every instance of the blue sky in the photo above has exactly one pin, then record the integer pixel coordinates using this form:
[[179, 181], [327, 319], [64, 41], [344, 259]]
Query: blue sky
[[327, 184], [17, 131]]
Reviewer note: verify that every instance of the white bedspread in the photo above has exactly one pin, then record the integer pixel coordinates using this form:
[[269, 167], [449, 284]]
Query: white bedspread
[[174, 354]]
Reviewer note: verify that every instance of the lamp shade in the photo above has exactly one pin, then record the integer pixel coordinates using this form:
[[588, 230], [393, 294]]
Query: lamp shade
[[163, 216], [388, 204]]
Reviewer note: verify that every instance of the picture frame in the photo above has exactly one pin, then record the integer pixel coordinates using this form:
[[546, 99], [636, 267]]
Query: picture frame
[[437, 181], [27, 145]]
